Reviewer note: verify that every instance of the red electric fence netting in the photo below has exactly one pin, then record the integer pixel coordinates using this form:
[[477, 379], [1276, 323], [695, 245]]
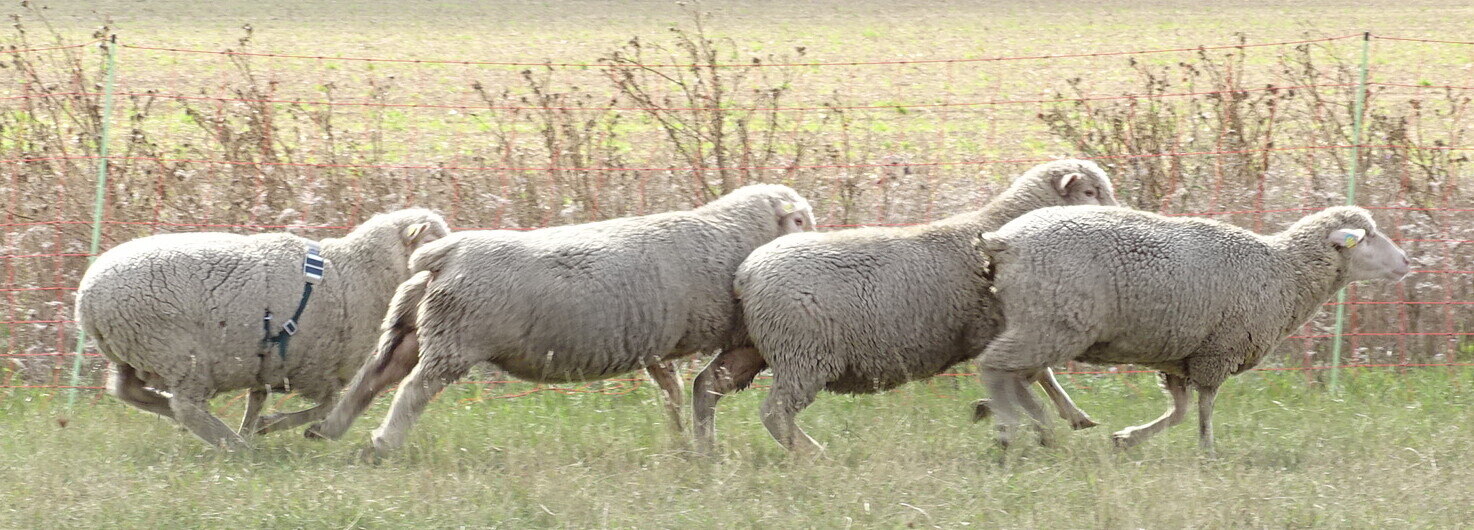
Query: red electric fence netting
[[247, 141]]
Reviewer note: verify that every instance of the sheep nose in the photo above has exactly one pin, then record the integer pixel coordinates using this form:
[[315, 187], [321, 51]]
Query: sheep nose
[[1402, 269]]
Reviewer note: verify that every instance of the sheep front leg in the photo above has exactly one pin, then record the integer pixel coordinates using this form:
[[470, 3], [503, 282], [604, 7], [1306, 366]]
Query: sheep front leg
[[730, 371], [787, 398], [1024, 397], [665, 376], [1206, 395], [1000, 389], [123, 383], [1176, 388], [389, 366], [1062, 402], [254, 402], [288, 420], [191, 409]]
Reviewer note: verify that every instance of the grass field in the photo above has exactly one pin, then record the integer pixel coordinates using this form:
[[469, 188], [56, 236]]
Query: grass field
[[1390, 450]]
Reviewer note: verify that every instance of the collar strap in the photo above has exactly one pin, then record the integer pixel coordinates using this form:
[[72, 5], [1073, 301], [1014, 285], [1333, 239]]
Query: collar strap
[[313, 268]]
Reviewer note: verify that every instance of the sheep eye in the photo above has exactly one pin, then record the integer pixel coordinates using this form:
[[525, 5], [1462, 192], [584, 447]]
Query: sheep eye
[[1089, 193], [799, 222]]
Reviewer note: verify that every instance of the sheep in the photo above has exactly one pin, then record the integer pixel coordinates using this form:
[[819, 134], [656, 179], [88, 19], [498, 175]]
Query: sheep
[[866, 310], [563, 304], [187, 314], [1196, 299]]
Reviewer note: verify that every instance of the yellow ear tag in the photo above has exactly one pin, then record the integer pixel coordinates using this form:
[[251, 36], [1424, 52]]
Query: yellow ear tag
[[1350, 241], [789, 208]]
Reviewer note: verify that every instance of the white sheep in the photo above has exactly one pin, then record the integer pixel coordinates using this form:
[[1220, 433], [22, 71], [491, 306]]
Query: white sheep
[[866, 310], [1197, 299], [571, 303], [186, 314]]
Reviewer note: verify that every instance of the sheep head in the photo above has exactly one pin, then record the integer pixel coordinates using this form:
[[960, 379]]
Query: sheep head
[[1081, 182], [795, 216], [1369, 253]]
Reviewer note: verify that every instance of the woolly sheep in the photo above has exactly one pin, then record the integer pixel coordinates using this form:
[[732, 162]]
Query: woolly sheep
[[1198, 300], [183, 314], [865, 310], [572, 303]]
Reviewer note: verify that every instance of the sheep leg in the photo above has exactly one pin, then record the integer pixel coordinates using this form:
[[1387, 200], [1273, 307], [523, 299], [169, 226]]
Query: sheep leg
[[123, 383], [787, 398], [1206, 395], [1176, 388], [386, 368], [1062, 402], [1000, 388], [1024, 397], [287, 420], [192, 410], [730, 371], [424, 382], [254, 402], [665, 376], [1015, 359]]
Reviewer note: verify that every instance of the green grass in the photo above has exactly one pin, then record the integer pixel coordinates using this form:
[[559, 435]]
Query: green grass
[[1391, 449]]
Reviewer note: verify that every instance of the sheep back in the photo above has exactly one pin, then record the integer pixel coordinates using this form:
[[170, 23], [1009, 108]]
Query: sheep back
[[588, 301], [884, 305]]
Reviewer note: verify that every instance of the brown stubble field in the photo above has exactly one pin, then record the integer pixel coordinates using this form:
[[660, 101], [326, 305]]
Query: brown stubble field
[[247, 144]]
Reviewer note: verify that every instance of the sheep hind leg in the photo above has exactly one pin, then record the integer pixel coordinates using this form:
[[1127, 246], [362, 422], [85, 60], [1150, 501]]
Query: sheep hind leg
[[1206, 395], [192, 410], [424, 382], [1001, 404], [1176, 388], [730, 371], [386, 368], [665, 376], [785, 400], [1062, 402], [255, 401], [1024, 397], [123, 383], [288, 420]]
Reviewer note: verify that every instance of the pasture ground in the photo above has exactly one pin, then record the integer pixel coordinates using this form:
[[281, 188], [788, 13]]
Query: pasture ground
[[1389, 450]]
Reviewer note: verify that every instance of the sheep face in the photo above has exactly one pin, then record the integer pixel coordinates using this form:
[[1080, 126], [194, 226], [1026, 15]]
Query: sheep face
[[1086, 186], [1370, 254], [795, 217]]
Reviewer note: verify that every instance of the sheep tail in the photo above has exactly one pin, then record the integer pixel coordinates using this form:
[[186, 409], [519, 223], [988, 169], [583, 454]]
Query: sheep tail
[[433, 256], [402, 320]]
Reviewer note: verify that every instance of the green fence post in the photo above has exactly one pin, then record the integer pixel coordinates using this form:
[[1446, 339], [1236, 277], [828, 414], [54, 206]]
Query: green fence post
[[1357, 109], [104, 136]]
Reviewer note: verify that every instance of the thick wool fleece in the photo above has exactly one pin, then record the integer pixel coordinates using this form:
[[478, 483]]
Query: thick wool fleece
[[185, 310], [1190, 297], [865, 310]]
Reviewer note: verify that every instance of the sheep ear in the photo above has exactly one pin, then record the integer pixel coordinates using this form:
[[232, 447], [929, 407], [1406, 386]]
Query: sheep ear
[[414, 232], [1347, 237], [1063, 184]]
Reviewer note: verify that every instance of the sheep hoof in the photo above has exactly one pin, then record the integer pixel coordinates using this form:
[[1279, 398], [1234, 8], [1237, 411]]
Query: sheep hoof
[[981, 410], [370, 455], [1082, 423], [312, 432], [1124, 440]]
